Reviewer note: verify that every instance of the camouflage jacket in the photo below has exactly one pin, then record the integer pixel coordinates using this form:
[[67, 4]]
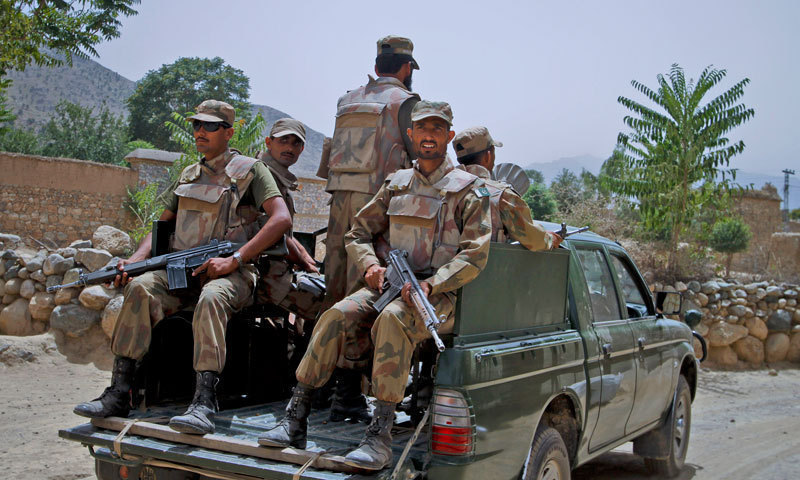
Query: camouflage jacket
[[209, 195], [442, 220], [368, 140], [511, 217], [286, 180]]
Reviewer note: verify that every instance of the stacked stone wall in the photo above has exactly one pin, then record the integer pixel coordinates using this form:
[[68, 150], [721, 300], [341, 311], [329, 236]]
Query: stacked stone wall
[[761, 211], [311, 205]]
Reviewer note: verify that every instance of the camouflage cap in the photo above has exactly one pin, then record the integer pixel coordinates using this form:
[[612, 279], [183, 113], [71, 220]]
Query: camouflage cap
[[425, 109], [473, 140], [214, 111], [288, 126], [397, 45]]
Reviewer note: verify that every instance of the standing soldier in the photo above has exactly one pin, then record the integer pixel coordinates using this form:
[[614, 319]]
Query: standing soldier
[[217, 198], [511, 217], [369, 143], [441, 216], [277, 285]]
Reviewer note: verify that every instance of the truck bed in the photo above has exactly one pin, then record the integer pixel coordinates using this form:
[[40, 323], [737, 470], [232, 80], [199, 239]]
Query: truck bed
[[233, 447]]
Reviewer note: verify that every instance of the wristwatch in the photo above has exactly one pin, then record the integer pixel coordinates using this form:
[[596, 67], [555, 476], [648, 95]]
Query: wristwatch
[[238, 257]]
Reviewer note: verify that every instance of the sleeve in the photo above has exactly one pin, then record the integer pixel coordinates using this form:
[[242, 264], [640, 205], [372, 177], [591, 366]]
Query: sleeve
[[168, 198], [368, 222], [473, 247], [404, 119], [519, 224], [263, 186]]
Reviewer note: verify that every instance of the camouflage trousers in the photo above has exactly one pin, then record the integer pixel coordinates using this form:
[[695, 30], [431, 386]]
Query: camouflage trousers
[[277, 287], [148, 300], [395, 333], [341, 276]]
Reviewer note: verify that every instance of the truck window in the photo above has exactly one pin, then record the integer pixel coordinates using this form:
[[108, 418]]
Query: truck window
[[605, 305], [631, 289]]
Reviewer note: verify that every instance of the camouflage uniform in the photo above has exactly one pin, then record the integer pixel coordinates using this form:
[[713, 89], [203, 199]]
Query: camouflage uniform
[[444, 222], [369, 142], [228, 186]]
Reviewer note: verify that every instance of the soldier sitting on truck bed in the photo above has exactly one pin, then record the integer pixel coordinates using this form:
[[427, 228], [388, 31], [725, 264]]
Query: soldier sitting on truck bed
[[441, 216], [217, 198], [511, 217]]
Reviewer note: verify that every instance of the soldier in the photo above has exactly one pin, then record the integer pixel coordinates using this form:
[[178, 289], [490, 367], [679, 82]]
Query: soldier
[[277, 285], [441, 216], [369, 142], [217, 198], [511, 217]]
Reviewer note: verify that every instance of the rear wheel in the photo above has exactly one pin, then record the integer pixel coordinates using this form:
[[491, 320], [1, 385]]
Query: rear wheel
[[548, 459], [680, 422]]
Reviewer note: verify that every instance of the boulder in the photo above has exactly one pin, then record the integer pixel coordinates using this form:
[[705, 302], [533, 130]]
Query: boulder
[[738, 310], [722, 334], [780, 321], [774, 292], [694, 286], [96, 297], [54, 280], [67, 252], [11, 271], [15, 319], [72, 275], [55, 264], [27, 289], [74, 320], [65, 295], [111, 239], [13, 285], [750, 350], [791, 293], [797, 316], [92, 258], [793, 355], [35, 263], [722, 356], [8, 238], [9, 299], [701, 298], [2, 269], [81, 244], [702, 329], [709, 287], [681, 287], [24, 274], [110, 315], [757, 328], [781, 303], [776, 347], [752, 287], [761, 293], [42, 305], [39, 276]]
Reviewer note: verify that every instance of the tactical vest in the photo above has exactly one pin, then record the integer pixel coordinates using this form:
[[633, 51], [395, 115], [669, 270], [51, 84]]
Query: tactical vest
[[495, 189], [422, 217], [367, 143], [283, 178], [208, 204]]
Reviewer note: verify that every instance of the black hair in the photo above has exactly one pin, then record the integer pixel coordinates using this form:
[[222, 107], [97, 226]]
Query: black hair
[[472, 158], [390, 63]]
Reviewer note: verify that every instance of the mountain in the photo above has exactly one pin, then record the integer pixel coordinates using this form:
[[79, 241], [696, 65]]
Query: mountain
[[35, 92], [551, 169]]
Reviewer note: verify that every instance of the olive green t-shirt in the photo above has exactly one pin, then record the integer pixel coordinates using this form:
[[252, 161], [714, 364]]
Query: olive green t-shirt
[[261, 189]]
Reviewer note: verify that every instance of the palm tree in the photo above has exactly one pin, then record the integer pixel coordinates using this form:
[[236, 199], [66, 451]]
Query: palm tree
[[675, 158]]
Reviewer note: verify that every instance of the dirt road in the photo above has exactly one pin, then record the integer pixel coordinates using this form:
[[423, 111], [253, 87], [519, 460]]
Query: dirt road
[[744, 424]]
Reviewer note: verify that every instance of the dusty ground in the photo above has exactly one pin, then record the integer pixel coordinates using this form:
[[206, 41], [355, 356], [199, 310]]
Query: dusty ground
[[745, 424]]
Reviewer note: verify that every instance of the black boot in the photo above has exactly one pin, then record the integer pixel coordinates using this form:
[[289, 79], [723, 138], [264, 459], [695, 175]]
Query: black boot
[[348, 401], [292, 430], [375, 450], [116, 399], [199, 417]]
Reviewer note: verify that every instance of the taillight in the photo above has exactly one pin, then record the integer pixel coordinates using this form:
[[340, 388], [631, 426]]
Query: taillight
[[452, 426]]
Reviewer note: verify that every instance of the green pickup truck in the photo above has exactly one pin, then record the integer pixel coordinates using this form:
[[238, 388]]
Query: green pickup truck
[[555, 358]]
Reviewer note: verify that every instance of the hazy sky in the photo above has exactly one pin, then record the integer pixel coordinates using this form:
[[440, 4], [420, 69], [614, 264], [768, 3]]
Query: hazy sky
[[543, 76]]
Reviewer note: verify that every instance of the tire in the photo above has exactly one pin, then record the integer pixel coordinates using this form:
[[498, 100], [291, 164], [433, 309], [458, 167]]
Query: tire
[[680, 421], [548, 458]]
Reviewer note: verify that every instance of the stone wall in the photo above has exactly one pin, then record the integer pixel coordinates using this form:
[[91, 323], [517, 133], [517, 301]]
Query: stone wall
[[152, 166], [784, 256], [61, 199], [311, 205], [761, 210]]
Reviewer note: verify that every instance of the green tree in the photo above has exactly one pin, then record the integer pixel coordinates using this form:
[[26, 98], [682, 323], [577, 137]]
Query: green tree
[[76, 133], [180, 87], [794, 214], [541, 201], [534, 175], [729, 236], [567, 189], [20, 141], [35, 31], [675, 151], [6, 115]]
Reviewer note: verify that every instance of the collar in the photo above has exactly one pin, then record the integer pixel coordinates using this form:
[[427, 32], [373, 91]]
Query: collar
[[280, 172], [389, 80], [479, 171], [218, 163], [439, 173]]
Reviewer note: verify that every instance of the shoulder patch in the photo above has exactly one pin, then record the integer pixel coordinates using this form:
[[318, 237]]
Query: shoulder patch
[[190, 173], [400, 179], [482, 192]]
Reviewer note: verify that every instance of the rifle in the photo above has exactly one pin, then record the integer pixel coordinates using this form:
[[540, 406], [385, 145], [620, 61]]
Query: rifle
[[177, 265], [564, 234], [398, 272]]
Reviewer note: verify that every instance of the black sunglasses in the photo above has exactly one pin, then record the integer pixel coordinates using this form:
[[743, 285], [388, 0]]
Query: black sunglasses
[[209, 126]]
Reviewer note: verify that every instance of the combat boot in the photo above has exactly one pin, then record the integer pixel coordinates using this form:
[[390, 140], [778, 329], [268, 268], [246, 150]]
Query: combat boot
[[292, 430], [199, 417], [348, 401], [375, 450], [115, 400]]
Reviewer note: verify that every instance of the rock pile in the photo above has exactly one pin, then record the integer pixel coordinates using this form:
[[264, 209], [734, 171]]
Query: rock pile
[[82, 318], [754, 323]]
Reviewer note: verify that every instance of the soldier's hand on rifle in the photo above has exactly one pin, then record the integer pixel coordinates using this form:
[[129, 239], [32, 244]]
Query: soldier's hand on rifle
[[309, 265], [123, 279], [216, 267], [374, 277], [406, 292]]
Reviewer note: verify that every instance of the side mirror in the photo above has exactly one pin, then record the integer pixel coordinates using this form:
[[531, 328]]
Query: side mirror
[[692, 318], [668, 303]]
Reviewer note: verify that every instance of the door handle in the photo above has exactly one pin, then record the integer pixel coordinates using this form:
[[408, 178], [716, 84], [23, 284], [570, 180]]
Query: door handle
[[641, 341], [607, 349]]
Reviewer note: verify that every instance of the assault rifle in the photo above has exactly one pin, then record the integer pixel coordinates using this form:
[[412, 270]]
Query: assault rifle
[[564, 234], [398, 273], [177, 265]]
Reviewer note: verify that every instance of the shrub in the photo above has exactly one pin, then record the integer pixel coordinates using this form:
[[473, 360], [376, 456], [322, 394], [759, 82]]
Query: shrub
[[729, 236]]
